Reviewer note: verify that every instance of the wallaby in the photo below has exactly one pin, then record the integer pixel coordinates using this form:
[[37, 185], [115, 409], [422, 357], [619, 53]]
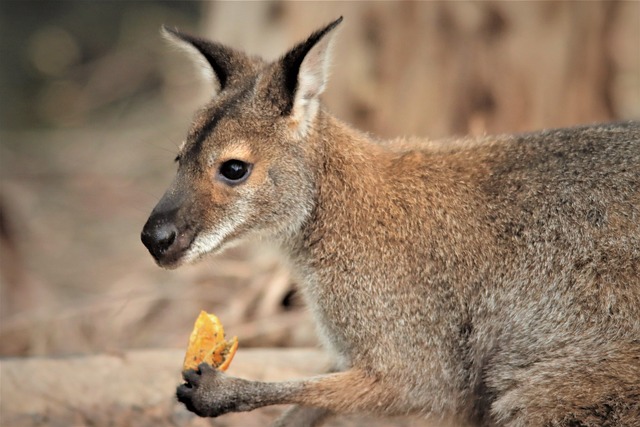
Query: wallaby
[[486, 282]]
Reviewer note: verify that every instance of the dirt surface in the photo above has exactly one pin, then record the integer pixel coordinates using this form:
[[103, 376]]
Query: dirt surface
[[136, 389]]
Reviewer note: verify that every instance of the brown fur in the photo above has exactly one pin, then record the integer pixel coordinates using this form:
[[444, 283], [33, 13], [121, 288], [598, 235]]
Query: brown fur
[[492, 281]]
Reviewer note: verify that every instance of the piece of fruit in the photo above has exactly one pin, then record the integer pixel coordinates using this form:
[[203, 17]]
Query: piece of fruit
[[207, 344]]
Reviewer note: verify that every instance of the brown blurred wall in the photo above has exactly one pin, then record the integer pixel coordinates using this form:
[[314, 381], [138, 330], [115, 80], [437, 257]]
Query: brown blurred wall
[[442, 68]]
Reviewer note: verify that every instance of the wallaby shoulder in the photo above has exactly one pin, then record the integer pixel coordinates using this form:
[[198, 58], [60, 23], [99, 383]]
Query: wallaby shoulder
[[590, 163], [512, 193], [495, 211], [592, 145]]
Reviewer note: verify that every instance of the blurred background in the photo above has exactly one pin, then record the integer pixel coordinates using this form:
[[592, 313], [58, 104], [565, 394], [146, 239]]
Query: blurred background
[[93, 104]]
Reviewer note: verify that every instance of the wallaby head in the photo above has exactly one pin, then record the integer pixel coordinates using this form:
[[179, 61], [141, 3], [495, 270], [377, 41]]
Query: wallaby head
[[244, 166]]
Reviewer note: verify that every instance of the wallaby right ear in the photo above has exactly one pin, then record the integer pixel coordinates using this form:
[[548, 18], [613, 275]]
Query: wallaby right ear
[[223, 64], [305, 71]]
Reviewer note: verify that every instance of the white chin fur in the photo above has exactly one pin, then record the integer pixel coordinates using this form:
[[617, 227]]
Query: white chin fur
[[203, 245], [215, 240]]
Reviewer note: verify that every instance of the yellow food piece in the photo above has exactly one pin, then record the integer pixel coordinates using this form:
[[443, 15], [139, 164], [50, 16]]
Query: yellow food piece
[[207, 344]]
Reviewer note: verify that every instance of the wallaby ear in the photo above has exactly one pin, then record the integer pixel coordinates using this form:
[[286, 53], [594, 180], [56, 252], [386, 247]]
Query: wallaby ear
[[221, 63], [305, 73]]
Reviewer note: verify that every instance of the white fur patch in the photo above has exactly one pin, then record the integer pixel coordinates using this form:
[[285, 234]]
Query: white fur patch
[[213, 241]]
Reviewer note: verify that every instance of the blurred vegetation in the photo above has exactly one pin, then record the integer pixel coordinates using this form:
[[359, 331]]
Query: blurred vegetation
[[64, 62], [86, 108]]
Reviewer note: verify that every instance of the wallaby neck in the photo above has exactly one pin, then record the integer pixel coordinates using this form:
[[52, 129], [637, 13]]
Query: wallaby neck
[[349, 179], [365, 200], [345, 154]]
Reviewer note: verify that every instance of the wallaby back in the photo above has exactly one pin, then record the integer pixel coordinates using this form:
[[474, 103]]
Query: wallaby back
[[494, 281]]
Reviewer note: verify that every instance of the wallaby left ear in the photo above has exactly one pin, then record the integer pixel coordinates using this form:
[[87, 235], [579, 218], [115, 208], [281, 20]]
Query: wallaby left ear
[[222, 64], [305, 73]]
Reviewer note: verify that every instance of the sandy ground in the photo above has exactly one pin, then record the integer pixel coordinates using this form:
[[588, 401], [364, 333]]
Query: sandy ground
[[136, 388]]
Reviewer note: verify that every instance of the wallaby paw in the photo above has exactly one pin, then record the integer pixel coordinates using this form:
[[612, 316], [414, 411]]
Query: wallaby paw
[[208, 392]]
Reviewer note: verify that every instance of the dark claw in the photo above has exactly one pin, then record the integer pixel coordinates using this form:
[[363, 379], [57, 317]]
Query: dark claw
[[204, 368], [184, 393], [192, 377]]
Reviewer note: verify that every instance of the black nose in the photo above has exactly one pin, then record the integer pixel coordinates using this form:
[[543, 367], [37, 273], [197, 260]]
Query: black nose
[[158, 236]]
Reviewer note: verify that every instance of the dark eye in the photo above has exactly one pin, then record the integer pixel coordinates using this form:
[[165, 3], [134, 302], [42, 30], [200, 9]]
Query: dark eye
[[235, 171]]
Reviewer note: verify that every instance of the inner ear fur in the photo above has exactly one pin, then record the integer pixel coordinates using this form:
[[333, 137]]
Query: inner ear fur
[[223, 64], [304, 71], [306, 66]]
